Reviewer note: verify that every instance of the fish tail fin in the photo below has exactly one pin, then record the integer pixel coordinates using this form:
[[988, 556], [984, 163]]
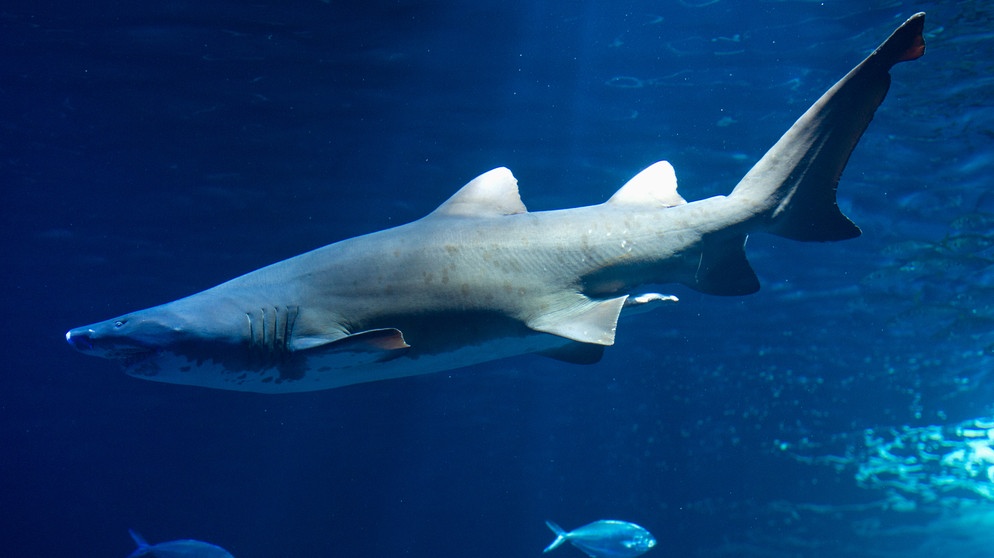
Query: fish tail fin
[[138, 538], [143, 546], [560, 536], [792, 189]]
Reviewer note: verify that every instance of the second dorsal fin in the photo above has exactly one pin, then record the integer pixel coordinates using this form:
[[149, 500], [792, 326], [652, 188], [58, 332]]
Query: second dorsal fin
[[655, 185]]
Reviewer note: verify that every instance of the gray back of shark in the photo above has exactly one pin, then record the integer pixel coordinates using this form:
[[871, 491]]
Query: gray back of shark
[[482, 278]]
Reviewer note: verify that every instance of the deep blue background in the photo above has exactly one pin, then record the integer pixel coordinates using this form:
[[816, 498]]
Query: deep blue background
[[149, 150]]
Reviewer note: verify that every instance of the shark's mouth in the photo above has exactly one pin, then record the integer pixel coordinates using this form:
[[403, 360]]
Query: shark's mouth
[[132, 357], [127, 354]]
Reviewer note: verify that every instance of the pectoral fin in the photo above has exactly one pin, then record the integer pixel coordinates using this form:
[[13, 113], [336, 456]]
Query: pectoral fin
[[582, 319], [365, 347], [387, 339]]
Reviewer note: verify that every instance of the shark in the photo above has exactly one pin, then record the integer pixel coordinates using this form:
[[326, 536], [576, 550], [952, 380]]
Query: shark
[[481, 278]]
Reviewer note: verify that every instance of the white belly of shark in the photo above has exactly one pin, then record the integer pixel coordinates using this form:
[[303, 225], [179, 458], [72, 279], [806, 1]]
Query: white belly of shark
[[330, 369], [482, 278]]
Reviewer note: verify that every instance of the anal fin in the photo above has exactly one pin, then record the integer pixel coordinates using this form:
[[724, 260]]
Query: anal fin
[[724, 269]]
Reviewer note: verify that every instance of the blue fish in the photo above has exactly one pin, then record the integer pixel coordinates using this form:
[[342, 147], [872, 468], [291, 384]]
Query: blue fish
[[185, 548], [607, 538]]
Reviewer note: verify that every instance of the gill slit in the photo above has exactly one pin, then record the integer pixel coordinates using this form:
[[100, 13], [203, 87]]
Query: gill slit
[[270, 329]]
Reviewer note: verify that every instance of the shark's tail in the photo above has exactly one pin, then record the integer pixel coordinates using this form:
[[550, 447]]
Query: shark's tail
[[790, 192], [560, 536], [792, 188]]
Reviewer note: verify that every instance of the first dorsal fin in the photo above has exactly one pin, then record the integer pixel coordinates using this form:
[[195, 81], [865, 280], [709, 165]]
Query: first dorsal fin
[[491, 194], [655, 185]]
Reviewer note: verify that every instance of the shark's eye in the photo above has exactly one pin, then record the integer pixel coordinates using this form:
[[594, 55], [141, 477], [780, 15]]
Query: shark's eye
[[120, 323]]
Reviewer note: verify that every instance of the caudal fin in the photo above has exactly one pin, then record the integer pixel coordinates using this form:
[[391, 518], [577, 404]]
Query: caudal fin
[[560, 536], [792, 188], [139, 540], [143, 546]]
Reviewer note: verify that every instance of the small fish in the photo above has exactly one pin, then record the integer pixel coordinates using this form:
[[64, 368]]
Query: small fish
[[979, 222], [185, 548], [607, 538]]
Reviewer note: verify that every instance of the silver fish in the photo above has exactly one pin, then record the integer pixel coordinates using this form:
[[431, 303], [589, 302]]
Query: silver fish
[[184, 548], [607, 538]]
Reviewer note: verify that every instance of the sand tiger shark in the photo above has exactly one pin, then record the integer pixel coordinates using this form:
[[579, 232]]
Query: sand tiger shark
[[482, 278]]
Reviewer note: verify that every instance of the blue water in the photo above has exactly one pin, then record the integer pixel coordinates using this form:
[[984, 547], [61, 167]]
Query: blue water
[[149, 150]]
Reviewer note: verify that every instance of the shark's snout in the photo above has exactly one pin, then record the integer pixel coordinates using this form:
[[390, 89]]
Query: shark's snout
[[106, 340], [80, 339], [92, 340]]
